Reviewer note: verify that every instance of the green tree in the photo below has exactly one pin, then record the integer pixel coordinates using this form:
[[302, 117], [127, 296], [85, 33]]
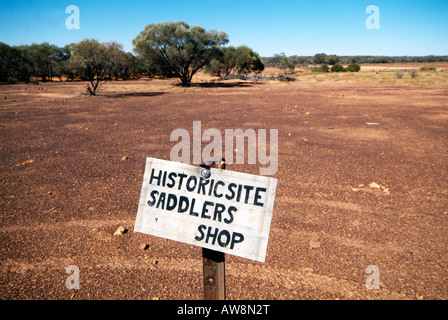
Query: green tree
[[331, 59], [300, 60], [10, 58], [215, 68], [325, 68], [128, 66], [247, 60], [224, 62], [91, 60], [64, 64], [44, 60], [319, 58], [120, 62], [241, 59], [179, 48], [337, 68], [354, 67], [286, 63]]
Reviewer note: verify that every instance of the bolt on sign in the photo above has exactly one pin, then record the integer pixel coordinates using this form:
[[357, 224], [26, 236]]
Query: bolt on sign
[[222, 210]]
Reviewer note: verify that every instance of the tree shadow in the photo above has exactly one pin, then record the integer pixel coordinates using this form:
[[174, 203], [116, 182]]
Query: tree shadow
[[220, 84], [131, 94], [212, 84]]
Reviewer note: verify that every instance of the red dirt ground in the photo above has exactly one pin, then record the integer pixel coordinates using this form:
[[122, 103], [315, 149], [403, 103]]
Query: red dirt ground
[[65, 189]]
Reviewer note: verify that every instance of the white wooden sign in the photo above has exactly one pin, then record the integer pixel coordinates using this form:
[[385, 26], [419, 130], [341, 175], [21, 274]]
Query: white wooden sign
[[229, 212]]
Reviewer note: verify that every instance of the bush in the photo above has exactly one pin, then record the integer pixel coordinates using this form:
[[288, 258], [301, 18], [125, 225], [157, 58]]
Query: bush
[[286, 63], [337, 68], [399, 74], [413, 73], [354, 67], [323, 68], [428, 69]]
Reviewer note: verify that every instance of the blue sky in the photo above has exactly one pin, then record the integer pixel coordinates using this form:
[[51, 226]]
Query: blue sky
[[411, 27]]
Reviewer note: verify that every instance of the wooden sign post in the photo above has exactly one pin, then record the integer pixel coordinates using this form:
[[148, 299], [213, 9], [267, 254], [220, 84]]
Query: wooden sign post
[[221, 211], [213, 274], [214, 266]]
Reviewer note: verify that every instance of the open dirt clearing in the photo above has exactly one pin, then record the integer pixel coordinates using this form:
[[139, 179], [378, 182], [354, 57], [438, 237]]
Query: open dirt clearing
[[65, 189]]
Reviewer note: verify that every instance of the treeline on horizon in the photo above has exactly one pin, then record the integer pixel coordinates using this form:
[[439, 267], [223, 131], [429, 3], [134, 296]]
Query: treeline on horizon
[[47, 62], [322, 58]]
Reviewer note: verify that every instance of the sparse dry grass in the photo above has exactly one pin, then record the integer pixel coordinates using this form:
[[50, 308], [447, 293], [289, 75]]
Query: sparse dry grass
[[424, 78], [383, 73]]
